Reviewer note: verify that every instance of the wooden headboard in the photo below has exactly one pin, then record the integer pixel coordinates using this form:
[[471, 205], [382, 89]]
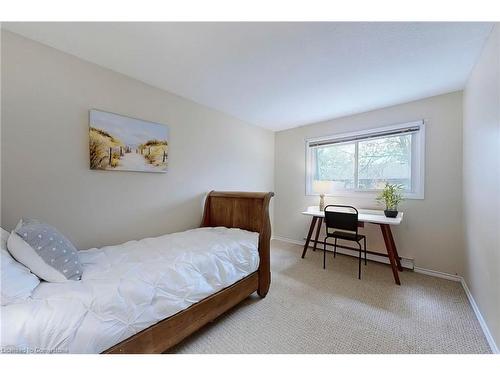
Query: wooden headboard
[[244, 210]]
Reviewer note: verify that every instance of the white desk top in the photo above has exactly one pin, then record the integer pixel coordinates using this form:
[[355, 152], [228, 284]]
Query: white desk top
[[367, 216]]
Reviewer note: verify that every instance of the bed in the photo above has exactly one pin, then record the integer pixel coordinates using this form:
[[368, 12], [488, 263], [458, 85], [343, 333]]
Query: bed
[[146, 296]]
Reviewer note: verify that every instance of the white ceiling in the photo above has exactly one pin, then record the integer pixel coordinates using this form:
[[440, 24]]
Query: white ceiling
[[279, 75]]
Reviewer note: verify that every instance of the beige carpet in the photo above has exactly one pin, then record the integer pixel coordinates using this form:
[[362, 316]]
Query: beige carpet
[[311, 310]]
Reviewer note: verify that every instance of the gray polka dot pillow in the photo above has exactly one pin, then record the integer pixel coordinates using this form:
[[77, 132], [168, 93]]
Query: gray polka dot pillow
[[45, 251]]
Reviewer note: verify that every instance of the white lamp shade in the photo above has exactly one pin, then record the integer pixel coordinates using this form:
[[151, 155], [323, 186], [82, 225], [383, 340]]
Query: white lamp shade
[[322, 187]]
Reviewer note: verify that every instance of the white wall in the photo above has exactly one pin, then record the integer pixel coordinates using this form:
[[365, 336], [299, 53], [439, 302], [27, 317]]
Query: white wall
[[431, 232], [481, 181], [46, 95]]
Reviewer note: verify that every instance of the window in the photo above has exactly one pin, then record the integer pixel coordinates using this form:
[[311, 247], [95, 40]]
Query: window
[[364, 161]]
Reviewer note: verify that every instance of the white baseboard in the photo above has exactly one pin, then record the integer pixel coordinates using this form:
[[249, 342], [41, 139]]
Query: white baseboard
[[441, 275], [475, 308], [289, 240], [408, 263], [479, 316]]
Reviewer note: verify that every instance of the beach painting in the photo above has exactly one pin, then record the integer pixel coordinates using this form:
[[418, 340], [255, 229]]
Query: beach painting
[[120, 143]]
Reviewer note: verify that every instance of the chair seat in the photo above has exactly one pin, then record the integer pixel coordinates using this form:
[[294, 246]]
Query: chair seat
[[346, 235]]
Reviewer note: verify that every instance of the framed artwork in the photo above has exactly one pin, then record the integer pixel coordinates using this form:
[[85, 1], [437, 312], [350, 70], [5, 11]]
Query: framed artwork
[[121, 143]]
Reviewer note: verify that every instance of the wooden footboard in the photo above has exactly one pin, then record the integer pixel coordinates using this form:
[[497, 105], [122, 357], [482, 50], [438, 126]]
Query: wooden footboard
[[244, 210], [249, 211]]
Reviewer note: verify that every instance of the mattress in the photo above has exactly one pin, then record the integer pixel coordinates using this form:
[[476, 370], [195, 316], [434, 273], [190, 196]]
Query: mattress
[[127, 288]]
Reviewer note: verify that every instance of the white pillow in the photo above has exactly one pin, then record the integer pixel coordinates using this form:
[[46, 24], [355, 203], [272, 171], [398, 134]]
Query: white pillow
[[25, 255], [17, 282], [45, 251]]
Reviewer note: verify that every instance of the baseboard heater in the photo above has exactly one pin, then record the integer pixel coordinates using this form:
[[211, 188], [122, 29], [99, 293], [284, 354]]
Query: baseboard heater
[[354, 252]]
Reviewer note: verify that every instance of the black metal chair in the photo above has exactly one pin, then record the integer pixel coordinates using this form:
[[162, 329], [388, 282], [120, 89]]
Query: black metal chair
[[347, 222]]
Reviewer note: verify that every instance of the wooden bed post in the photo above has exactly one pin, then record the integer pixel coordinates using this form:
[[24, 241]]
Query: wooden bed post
[[265, 249], [244, 210]]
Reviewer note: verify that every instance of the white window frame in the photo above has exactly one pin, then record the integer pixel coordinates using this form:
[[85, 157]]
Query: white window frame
[[417, 161]]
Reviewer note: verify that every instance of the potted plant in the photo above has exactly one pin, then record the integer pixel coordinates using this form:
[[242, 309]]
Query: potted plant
[[391, 196]]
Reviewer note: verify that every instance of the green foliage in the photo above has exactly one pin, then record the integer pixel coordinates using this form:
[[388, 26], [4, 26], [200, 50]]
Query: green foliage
[[336, 163], [385, 160], [391, 195], [380, 160]]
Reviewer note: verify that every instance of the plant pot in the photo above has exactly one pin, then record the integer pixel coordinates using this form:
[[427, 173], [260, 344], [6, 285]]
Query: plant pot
[[391, 213]]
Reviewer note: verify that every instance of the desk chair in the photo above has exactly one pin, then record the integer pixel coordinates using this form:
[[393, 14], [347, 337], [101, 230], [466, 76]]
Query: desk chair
[[344, 218]]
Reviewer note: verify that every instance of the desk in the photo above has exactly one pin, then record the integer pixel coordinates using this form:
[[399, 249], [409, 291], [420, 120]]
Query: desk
[[365, 216]]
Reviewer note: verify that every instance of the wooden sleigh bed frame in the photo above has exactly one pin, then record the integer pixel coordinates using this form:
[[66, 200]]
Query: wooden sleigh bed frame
[[244, 210]]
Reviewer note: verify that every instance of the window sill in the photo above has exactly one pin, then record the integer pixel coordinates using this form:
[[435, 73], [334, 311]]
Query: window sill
[[366, 195]]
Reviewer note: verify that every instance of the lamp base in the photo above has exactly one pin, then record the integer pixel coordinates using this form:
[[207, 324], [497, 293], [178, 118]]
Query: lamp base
[[322, 202]]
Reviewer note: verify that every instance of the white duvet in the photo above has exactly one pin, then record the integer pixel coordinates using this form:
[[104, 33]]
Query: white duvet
[[127, 288]]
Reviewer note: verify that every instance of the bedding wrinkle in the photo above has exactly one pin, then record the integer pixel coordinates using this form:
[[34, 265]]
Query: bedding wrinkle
[[129, 287]]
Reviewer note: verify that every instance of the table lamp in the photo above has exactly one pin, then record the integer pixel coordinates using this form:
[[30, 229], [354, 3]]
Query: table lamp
[[322, 187]]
